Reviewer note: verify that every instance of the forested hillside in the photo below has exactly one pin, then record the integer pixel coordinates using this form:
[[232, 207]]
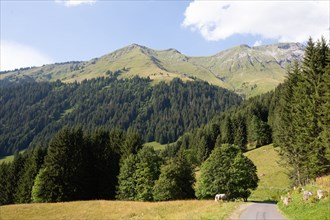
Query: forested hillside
[[295, 117], [31, 113]]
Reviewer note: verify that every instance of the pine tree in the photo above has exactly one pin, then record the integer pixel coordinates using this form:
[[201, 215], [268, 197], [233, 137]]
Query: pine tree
[[63, 175], [227, 131], [16, 171], [132, 143], [240, 133], [146, 173], [301, 128], [104, 165], [126, 178], [5, 187], [32, 166]]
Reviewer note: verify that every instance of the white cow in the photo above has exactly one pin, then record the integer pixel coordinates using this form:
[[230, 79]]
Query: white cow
[[220, 197], [321, 193], [306, 195]]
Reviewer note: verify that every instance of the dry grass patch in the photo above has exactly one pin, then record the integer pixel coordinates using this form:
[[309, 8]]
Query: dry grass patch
[[190, 209]]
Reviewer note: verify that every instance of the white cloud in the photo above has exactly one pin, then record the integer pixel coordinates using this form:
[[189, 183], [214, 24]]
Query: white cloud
[[14, 55], [281, 20], [72, 3], [257, 43]]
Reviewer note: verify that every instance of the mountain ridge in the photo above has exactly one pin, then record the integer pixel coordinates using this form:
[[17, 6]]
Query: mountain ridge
[[243, 69]]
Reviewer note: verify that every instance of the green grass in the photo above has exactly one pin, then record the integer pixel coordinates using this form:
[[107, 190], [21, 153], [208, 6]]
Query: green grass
[[7, 159], [311, 209], [189, 209], [155, 145], [273, 178]]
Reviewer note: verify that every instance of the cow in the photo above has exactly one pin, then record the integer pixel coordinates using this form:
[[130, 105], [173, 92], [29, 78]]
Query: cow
[[286, 200], [306, 195], [321, 193], [220, 197]]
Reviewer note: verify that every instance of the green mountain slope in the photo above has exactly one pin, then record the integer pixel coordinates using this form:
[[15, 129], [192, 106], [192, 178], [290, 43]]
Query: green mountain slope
[[31, 113], [243, 69]]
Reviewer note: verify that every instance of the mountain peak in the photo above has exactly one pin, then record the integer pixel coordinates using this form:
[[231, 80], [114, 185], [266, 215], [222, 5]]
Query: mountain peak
[[173, 50], [244, 46], [134, 45]]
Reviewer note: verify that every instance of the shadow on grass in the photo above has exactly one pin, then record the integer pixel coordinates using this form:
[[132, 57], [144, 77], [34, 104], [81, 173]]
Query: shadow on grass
[[268, 201]]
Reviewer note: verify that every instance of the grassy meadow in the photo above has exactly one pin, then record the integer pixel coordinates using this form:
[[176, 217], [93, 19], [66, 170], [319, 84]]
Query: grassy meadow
[[6, 159], [157, 146], [190, 209], [273, 178], [9, 158]]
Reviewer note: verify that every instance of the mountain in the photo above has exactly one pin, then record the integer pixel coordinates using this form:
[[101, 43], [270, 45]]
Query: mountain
[[243, 69]]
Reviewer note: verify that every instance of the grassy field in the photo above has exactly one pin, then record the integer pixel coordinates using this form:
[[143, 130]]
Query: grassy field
[[190, 209], [155, 145], [9, 158], [273, 178], [311, 209]]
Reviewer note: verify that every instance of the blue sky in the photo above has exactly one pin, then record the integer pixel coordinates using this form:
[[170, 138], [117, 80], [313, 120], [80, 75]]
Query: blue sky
[[38, 32]]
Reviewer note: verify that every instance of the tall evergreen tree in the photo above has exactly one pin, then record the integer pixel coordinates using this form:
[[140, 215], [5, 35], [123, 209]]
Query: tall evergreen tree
[[227, 132], [63, 174], [300, 130], [16, 171], [103, 164], [5, 187], [126, 178], [32, 166], [240, 131], [146, 173], [132, 143]]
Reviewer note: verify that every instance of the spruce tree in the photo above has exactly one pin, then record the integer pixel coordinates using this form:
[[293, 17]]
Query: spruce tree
[[5, 187], [240, 131], [104, 165], [146, 173], [16, 171], [227, 131], [63, 175], [132, 143], [32, 166], [126, 178], [302, 128]]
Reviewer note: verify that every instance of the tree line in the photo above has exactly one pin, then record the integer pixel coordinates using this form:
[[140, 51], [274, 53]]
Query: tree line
[[113, 164], [32, 113], [302, 116]]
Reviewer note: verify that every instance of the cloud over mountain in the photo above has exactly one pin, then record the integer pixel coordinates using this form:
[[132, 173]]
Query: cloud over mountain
[[285, 21]]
